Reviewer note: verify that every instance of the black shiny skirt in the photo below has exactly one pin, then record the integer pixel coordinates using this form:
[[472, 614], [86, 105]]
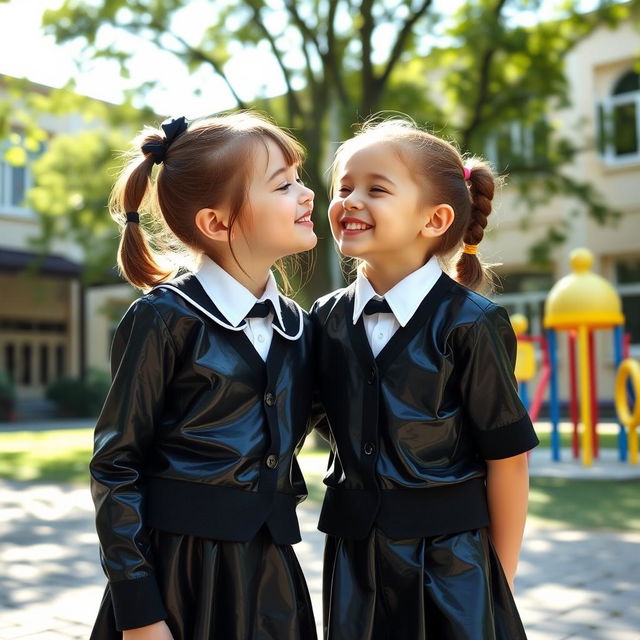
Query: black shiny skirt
[[225, 590], [448, 587]]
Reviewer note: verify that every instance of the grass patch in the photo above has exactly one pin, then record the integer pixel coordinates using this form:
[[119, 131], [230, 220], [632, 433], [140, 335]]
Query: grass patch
[[46, 456], [63, 456], [585, 504]]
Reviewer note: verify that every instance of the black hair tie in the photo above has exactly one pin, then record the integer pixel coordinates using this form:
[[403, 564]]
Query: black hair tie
[[172, 127], [133, 216]]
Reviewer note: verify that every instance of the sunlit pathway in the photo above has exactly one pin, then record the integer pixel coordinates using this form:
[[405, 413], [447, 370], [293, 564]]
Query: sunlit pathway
[[572, 584]]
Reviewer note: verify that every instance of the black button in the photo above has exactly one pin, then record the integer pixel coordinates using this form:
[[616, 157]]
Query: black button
[[369, 448], [272, 461], [371, 378], [269, 399]]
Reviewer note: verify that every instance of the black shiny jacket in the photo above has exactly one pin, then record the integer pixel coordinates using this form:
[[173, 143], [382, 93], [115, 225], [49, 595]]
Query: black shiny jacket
[[411, 429], [198, 434]]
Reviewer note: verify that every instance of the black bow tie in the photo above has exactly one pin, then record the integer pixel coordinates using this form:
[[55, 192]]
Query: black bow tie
[[376, 306], [261, 309]]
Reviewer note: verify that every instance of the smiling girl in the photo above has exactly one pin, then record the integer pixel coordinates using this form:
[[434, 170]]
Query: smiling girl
[[194, 475], [427, 482]]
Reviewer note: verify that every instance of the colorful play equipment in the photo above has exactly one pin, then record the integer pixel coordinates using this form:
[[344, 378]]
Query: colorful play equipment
[[525, 369], [580, 304], [629, 372]]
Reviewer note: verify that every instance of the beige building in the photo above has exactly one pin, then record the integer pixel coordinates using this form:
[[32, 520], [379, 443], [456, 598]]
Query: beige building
[[604, 117], [51, 326]]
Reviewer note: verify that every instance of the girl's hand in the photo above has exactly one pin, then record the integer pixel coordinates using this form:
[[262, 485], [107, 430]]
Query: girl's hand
[[507, 494], [155, 631]]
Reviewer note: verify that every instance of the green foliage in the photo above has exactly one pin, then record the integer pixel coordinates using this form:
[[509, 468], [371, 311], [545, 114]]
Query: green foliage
[[72, 184], [466, 74], [79, 398]]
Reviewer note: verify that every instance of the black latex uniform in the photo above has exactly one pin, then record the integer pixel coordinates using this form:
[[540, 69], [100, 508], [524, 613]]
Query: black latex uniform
[[194, 474], [408, 554]]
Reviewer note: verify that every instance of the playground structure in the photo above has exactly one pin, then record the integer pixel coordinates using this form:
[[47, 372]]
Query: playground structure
[[629, 418], [580, 304]]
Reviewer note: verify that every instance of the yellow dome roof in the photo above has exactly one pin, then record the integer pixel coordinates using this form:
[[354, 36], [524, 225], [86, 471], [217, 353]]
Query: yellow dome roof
[[582, 298]]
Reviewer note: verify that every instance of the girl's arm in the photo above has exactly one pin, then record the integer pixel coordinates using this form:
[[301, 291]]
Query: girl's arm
[[501, 427], [142, 362], [507, 495]]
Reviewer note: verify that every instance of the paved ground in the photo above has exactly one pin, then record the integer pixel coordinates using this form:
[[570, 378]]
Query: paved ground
[[571, 584]]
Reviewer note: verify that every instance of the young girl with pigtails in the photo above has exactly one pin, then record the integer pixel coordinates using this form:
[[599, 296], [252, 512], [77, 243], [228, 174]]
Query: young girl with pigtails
[[427, 483], [194, 475]]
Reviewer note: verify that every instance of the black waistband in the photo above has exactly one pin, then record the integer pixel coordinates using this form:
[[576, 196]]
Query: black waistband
[[219, 513], [402, 513]]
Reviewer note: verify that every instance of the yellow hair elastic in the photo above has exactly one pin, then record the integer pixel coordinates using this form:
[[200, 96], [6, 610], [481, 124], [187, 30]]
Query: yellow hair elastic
[[470, 248]]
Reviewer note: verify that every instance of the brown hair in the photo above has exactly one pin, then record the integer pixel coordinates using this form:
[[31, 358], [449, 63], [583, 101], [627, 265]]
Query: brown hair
[[439, 170], [208, 165]]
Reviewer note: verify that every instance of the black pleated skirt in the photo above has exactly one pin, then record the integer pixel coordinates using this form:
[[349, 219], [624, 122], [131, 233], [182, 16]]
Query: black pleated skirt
[[216, 590], [442, 588]]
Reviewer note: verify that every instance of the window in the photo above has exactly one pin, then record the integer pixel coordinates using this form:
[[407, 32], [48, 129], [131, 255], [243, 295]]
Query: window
[[26, 377], [16, 180], [619, 121], [61, 365], [628, 286], [14, 183], [518, 144], [44, 364], [10, 360]]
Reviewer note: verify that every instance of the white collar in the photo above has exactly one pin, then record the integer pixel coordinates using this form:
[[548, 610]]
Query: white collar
[[405, 298], [233, 299]]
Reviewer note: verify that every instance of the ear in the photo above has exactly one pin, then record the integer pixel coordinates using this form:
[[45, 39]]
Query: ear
[[212, 223], [438, 220]]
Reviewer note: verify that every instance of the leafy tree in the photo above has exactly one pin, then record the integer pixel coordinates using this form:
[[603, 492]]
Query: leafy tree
[[73, 173], [73, 180], [464, 72]]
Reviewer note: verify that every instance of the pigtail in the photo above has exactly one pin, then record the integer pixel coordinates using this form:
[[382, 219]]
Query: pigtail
[[470, 271], [137, 261]]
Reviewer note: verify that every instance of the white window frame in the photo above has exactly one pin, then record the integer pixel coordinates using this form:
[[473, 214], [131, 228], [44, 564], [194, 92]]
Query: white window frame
[[521, 140], [607, 105], [630, 289], [6, 176]]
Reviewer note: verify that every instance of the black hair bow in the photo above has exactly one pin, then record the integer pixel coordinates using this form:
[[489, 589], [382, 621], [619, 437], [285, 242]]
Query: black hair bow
[[172, 128]]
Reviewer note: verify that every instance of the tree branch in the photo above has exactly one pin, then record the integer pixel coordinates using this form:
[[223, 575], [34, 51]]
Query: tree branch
[[308, 37], [483, 84], [135, 29], [401, 40], [366, 75], [302, 25], [330, 58], [196, 54], [292, 99]]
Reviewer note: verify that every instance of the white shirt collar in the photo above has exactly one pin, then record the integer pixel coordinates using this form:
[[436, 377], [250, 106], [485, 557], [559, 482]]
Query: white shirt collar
[[405, 298], [233, 299]]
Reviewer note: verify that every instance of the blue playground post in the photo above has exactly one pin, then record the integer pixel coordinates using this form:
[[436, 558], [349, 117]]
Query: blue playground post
[[554, 406], [618, 347], [524, 394]]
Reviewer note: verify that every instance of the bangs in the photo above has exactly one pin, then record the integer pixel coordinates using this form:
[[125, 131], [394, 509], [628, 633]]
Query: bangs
[[292, 150]]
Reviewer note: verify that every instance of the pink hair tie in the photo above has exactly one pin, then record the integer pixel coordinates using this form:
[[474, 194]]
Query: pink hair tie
[[467, 173]]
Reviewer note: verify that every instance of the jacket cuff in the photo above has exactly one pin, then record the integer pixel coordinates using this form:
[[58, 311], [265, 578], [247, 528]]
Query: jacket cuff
[[507, 441], [136, 603]]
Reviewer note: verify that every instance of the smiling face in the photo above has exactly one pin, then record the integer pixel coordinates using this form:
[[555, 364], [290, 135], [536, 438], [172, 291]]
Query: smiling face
[[278, 221], [378, 212]]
